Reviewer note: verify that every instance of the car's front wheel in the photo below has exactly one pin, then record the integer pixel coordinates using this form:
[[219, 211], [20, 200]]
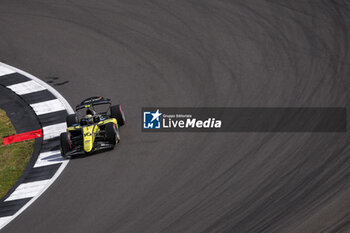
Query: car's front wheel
[[66, 144], [112, 133]]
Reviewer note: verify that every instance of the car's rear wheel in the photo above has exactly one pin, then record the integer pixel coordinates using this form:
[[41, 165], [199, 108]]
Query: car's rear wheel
[[66, 144], [117, 112], [112, 133], [71, 120]]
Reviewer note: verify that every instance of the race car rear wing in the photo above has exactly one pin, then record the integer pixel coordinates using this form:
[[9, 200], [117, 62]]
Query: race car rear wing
[[92, 101]]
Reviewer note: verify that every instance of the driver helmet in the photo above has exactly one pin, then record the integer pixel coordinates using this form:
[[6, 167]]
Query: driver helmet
[[90, 112], [89, 119]]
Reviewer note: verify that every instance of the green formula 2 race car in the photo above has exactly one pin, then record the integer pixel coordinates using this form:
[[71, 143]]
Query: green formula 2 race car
[[91, 131]]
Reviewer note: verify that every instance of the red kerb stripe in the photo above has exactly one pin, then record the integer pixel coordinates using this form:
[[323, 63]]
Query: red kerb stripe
[[23, 136]]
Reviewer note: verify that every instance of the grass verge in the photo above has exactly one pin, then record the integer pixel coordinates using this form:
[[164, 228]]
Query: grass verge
[[13, 157]]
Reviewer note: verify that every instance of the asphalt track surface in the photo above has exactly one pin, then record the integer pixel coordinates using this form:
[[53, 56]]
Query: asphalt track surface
[[192, 54]]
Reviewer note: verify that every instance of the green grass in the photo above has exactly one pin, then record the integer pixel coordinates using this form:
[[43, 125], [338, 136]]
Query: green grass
[[13, 157]]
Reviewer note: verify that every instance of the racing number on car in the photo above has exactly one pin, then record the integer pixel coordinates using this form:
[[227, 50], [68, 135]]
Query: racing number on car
[[87, 134]]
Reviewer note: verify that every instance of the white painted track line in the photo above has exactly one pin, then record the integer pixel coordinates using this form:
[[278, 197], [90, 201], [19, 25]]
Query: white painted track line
[[26, 190], [49, 158], [47, 107], [53, 131], [26, 87], [5, 70], [4, 221]]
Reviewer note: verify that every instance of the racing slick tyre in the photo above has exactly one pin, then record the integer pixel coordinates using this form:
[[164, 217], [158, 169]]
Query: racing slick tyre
[[71, 120], [66, 144], [112, 133], [117, 112]]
